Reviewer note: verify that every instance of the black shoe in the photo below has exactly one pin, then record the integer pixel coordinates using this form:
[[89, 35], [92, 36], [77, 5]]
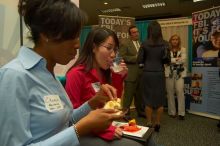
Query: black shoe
[[172, 116], [157, 128], [181, 117], [218, 125]]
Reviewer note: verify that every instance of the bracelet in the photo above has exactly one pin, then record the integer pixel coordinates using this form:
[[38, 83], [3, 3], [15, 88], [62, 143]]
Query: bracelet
[[77, 133]]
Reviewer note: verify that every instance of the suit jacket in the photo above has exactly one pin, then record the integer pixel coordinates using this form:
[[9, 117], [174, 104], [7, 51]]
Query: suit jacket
[[154, 56], [129, 53]]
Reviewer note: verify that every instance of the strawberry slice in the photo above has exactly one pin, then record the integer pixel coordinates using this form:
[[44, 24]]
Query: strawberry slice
[[129, 128]]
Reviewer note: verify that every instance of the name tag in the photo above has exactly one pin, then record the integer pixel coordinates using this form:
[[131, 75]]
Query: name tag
[[53, 103], [96, 86]]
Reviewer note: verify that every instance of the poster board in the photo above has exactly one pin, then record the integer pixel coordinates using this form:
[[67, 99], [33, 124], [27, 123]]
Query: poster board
[[205, 84], [118, 24]]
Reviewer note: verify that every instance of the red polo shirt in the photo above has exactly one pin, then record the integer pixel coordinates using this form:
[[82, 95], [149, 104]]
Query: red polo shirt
[[81, 86]]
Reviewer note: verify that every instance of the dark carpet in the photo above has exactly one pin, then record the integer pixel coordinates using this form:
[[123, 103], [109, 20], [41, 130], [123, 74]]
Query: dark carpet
[[193, 131]]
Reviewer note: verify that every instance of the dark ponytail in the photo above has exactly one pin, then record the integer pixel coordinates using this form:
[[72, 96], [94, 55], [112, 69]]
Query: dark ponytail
[[59, 20], [154, 32]]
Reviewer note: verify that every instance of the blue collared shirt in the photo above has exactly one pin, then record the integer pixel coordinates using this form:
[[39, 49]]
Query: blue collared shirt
[[24, 116]]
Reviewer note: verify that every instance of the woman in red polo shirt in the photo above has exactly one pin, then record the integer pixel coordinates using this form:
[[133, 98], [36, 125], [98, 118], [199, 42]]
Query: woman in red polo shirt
[[92, 69]]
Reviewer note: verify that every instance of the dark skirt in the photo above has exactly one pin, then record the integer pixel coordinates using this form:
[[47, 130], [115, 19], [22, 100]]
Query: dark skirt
[[153, 89]]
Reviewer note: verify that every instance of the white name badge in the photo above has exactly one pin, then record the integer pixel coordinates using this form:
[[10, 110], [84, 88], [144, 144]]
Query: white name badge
[[96, 86], [53, 103]]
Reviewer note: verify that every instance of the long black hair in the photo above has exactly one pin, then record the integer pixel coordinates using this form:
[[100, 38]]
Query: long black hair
[[94, 39], [59, 20], [154, 32]]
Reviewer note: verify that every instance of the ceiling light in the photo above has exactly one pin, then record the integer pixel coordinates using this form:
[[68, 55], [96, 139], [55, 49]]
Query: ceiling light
[[111, 10], [105, 3], [153, 5], [197, 1]]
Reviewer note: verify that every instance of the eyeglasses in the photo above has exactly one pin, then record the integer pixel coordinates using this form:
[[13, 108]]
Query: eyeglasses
[[110, 49]]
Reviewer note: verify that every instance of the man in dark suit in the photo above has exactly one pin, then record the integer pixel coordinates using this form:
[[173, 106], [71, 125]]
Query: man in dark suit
[[129, 51]]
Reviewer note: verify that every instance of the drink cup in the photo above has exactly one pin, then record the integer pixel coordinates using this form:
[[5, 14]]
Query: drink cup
[[116, 64]]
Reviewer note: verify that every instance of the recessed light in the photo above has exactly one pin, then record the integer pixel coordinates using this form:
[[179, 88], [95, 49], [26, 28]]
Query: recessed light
[[110, 10], [197, 1], [153, 5]]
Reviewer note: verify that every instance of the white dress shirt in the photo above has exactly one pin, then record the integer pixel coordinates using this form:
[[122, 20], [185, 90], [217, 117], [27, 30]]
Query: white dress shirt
[[137, 45]]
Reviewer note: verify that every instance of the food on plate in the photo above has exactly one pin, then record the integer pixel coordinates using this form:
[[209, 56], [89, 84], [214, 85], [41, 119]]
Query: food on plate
[[131, 126], [132, 122], [114, 104]]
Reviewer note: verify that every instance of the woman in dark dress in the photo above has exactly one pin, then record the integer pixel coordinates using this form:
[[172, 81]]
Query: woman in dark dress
[[153, 55]]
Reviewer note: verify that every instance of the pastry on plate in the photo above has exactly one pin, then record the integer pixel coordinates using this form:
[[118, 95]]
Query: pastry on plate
[[114, 104]]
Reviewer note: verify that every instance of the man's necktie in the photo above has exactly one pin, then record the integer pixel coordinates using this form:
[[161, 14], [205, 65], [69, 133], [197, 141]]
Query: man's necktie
[[137, 45]]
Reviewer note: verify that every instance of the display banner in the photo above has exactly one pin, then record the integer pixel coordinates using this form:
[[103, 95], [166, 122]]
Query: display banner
[[205, 84], [175, 22], [118, 24], [177, 26]]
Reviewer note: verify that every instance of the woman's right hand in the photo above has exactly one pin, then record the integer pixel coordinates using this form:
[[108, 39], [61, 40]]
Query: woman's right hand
[[96, 121], [106, 93], [124, 67]]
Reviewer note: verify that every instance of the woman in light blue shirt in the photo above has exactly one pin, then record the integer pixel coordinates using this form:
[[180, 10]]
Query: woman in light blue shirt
[[34, 108]]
